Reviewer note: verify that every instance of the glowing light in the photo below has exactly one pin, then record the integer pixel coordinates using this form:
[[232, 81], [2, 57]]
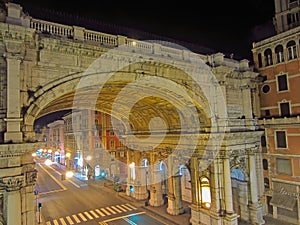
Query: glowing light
[[33, 154], [48, 162], [69, 174], [88, 158], [207, 205], [133, 43], [68, 154]]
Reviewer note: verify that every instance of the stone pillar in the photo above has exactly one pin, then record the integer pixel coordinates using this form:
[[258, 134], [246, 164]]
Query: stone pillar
[[140, 192], [12, 198], [195, 206], [256, 212], [174, 196], [156, 198], [13, 118], [227, 187], [231, 217]]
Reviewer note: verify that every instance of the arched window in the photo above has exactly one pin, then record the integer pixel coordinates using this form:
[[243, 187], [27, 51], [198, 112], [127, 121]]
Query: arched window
[[279, 54], [259, 58], [291, 50], [265, 164], [145, 162], [268, 57], [205, 192]]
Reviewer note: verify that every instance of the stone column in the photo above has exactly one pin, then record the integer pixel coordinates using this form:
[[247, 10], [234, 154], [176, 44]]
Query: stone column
[[156, 198], [175, 196], [13, 115], [256, 212], [12, 197], [231, 217], [140, 192], [227, 187]]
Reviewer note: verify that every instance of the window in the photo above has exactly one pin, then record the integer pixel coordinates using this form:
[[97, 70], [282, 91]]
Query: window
[[122, 154], [282, 82], [279, 54], [281, 139], [263, 141], [285, 109], [266, 88], [267, 183], [265, 164], [112, 144], [259, 60], [205, 192], [111, 133], [292, 50], [283, 166], [267, 113], [268, 57]]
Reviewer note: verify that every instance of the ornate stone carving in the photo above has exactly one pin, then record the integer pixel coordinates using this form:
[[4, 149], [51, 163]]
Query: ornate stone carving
[[31, 177], [12, 183]]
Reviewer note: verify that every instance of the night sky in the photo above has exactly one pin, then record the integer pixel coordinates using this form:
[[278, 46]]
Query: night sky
[[226, 26]]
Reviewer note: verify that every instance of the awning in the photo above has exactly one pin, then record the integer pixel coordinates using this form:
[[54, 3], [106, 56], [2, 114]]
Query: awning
[[283, 201]]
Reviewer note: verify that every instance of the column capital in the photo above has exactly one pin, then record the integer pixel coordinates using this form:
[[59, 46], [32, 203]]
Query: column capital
[[31, 177], [12, 183]]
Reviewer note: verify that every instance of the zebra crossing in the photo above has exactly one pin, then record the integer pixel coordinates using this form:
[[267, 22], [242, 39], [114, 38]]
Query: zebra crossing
[[92, 214]]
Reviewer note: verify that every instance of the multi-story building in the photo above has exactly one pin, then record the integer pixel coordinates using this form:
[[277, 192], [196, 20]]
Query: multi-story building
[[56, 141], [93, 143], [277, 60]]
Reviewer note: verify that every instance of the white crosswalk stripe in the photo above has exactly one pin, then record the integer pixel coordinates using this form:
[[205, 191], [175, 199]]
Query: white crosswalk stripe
[[92, 214], [63, 222], [105, 211], [70, 221], [88, 215], [131, 206], [120, 207], [109, 209], [126, 207], [82, 217], [100, 213], [115, 208], [76, 219]]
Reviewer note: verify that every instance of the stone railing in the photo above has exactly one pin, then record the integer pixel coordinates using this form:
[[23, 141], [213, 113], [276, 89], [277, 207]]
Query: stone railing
[[160, 48]]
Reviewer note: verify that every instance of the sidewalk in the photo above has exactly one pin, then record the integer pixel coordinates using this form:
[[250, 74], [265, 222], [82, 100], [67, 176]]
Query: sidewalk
[[161, 214]]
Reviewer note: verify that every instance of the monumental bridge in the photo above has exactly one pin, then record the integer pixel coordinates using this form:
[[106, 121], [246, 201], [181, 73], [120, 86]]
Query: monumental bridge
[[178, 107]]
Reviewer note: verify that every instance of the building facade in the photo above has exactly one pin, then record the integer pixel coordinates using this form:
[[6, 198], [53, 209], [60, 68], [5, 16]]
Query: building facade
[[277, 60]]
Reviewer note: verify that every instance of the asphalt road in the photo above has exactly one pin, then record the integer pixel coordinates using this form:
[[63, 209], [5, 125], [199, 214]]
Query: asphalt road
[[72, 201]]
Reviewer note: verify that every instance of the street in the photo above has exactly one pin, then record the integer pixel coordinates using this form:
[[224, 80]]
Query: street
[[72, 201]]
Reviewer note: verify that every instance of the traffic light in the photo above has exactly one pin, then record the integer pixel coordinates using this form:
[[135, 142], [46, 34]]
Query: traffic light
[[131, 188], [40, 205]]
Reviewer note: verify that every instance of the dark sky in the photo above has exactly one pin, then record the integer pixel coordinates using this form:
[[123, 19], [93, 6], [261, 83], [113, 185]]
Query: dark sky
[[222, 25]]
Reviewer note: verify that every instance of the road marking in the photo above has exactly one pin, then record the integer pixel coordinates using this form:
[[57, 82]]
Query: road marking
[[82, 217], [115, 208], [103, 223], [88, 215], [131, 206], [120, 207], [105, 211], [48, 192], [76, 219], [62, 221], [121, 217], [126, 207], [60, 184], [94, 214], [99, 212], [112, 211], [129, 221], [55, 222], [72, 182], [69, 220]]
